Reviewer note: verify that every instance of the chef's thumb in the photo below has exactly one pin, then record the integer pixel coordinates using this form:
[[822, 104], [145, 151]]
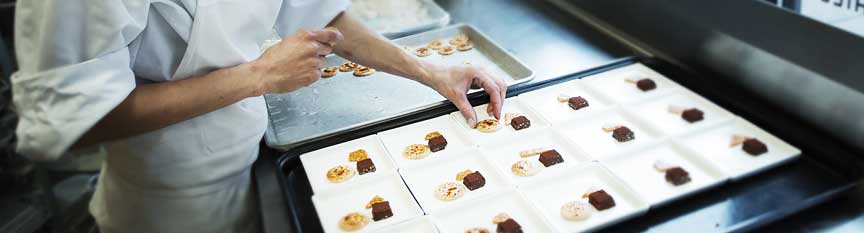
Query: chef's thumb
[[326, 36]]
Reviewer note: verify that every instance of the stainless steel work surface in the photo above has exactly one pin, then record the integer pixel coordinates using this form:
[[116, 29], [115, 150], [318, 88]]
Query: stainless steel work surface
[[549, 41]]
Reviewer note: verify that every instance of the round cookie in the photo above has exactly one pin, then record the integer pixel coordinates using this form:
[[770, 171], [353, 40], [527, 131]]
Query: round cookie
[[525, 168], [501, 217], [363, 71], [446, 50], [436, 44], [329, 72], [488, 125], [458, 40], [477, 230], [353, 221], [423, 52], [339, 174], [449, 191], [348, 66], [576, 211], [464, 47], [416, 151]]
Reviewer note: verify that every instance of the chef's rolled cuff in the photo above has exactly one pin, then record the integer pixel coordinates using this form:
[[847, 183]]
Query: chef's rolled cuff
[[57, 106]]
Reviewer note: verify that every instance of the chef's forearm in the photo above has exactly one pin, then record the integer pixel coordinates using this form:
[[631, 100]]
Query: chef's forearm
[[154, 106], [368, 48]]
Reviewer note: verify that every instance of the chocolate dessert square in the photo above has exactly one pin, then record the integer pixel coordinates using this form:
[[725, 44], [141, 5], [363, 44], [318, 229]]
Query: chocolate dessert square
[[677, 176], [577, 102], [509, 226], [754, 147], [365, 166], [692, 115], [520, 122], [646, 84], [601, 200], [623, 134], [437, 143], [474, 181], [381, 211], [550, 157]]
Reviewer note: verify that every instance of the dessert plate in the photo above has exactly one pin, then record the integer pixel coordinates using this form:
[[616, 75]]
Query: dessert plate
[[545, 101], [714, 145], [395, 140], [317, 163], [550, 194], [511, 105], [479, 213], [424, 180], [507, 153], [613, 84], [637, 170], [657, 112], [417, 225], [589, 135], [333, 205]]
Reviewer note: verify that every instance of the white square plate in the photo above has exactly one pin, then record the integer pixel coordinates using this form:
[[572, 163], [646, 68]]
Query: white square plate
[[612, 84], [637, 170], [423, 180], [713, 145], [656, 112], [512, 105], [507, 153], [550, 194], [395, 140], [479, 213], [589, 135], [332, 206], [417, 225], [545, 101], [318, 162]]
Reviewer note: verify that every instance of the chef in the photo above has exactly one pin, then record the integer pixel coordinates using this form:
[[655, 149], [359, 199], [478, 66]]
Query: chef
[[172, 91]]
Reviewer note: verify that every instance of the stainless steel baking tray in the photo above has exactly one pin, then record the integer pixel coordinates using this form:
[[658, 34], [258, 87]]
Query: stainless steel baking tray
[[343, 102], [435, 17]]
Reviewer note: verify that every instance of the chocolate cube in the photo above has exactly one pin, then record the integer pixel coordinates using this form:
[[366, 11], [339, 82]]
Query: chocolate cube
[[601, 200], [437, 143], [550, 157], [754, 147], [365, 166], [520, 122], [474, 181], [692, 115], [509, 226], [623, 134], [677, 176], [577, 102], [381, 211], [646, 84]]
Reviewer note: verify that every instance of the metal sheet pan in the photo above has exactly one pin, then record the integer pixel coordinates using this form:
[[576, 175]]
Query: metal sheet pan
[[319, 110], [435, 18], [742, 204]]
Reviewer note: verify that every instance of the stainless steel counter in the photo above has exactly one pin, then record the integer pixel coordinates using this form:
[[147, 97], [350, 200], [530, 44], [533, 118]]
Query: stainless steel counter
[[551, 42]]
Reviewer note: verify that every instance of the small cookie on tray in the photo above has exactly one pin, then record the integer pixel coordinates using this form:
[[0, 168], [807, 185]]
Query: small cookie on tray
[[329, 72], [576, 211], [363, 71], [488, 125], [416, 151], [353, 221], [339, 174], [446, 50], [449, 191]]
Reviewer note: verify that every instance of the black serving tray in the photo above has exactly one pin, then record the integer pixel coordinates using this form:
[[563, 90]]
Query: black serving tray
[[825, 168]]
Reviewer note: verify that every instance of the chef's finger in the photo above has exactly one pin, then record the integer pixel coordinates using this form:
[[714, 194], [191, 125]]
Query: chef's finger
[[323, 49], [326, 36], [465, 108], [495, 101]]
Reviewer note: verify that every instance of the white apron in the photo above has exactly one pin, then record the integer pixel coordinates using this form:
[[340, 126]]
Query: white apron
[[80, 58]]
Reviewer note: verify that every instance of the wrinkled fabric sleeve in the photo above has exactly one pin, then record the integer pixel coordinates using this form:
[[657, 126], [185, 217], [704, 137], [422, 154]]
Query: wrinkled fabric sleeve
[[74, 68], [307, 14]]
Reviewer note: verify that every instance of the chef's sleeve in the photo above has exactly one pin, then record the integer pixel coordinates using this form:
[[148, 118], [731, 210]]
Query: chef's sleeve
[[74, 68], [307, 14]]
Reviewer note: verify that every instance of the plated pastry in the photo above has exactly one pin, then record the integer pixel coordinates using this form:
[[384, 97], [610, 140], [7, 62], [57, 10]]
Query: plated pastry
[[750, 145]]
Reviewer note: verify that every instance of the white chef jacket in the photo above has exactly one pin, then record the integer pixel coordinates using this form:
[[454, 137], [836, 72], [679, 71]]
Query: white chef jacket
[[80, 58]]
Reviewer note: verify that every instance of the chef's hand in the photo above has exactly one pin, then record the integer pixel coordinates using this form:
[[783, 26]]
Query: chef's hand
[[296, 61], [453, 82]]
